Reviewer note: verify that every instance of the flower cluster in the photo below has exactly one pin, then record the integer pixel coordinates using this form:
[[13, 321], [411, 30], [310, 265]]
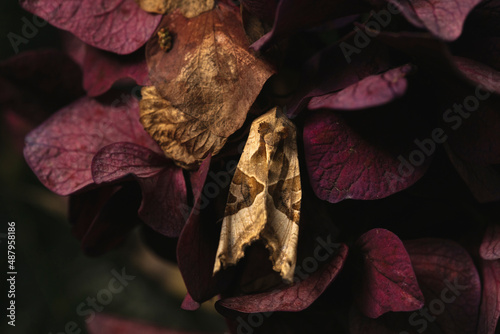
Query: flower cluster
[[143, 114]]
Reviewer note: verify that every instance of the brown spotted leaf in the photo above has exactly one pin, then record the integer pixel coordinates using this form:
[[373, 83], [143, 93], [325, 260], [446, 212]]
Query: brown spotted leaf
[[205, 84], [189, 8]]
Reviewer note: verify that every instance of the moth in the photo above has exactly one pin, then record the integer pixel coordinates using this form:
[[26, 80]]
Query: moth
[[164, 39], [264, 196]]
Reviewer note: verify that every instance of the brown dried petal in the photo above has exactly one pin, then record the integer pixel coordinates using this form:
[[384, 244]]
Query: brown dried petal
[[182, 137], [209, 78]]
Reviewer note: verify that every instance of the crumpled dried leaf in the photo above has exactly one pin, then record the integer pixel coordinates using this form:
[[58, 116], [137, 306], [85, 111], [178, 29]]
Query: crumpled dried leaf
[[188, 8], [118, 26], [389, 282], [205, 84]]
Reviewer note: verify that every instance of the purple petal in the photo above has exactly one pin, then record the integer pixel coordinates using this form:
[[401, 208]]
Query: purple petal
[[443, 18], [371, 91], [119, 26], [60, 150], [117, 160]]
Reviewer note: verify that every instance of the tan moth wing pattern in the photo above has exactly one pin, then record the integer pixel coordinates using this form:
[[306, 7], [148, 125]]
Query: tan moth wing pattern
[[264, 196]]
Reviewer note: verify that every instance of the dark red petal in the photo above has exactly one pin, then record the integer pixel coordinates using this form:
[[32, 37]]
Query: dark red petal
[[106, 324], [371, 91], [198, 242], [490, 247], [117, 160], [119, 26], [164, 197], [34, 84], [443, 18], [446, 273], [389, 282], [482, 180], [290, 298], [103, 218], [295, 15], [102, 69], [490, 304], [451, 287], [60, 150], [342, 164]]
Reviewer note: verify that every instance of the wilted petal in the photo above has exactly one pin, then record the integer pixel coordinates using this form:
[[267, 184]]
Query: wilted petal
[[119, 26], [60, 150], [371, 91], [290, 298], [389, 282], [205, 84]]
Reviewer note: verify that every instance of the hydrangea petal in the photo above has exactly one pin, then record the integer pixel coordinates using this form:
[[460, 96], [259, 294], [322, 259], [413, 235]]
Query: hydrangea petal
[[119, 26]]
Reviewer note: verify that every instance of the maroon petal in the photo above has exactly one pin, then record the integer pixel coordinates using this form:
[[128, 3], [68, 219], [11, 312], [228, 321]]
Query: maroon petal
[[295, 15], [117, 160], [483, 181], [447, 276], [36, 83], [451, 287], [389, 282], [103, 218], [60, 150], [198, 242], [119, 26], [445, 19], [189, 304], [481, 74], [371, 91], [290, 298], [102, 69], [164, 196], [342, 164], [106, 324], [490, 304], [490, 247]]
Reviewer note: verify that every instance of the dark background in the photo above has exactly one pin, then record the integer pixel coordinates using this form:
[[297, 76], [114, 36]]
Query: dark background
[[53, 275]]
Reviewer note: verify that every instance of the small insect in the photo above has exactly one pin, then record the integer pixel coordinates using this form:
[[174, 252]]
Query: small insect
[[165, 39]]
